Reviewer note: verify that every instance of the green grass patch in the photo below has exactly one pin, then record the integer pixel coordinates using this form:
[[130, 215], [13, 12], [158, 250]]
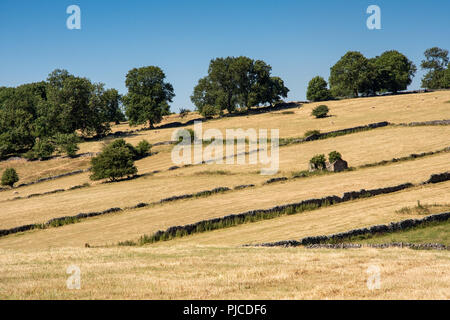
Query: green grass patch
[[57, 223], [437, 232]]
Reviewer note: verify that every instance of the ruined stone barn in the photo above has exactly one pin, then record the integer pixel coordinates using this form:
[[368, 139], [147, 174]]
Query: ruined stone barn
[[337, 166]]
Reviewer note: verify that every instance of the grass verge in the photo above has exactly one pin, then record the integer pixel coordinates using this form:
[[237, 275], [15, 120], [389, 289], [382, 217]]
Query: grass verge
[[435, 232]]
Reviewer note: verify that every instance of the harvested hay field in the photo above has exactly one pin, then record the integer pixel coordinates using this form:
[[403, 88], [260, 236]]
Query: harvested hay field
[[209, 272], [214, 264]]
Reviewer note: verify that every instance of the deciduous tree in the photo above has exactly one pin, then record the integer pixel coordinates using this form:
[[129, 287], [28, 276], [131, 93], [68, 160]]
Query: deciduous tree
[[148, 95], [318, 90]]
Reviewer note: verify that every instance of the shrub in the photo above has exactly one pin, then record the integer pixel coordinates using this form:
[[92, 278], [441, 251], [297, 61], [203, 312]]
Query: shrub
[[66, 143], [136, 153], [318, 161], [115, 161], [184, 112], [317, 90], [320, 111], [9, 177], [209, 111], [311, 132], [143, 148], [333, 156]]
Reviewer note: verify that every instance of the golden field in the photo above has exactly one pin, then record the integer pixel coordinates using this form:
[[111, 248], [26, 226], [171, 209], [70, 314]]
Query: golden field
[[344, 114], [214, 265], [131, 224], [224, 273]]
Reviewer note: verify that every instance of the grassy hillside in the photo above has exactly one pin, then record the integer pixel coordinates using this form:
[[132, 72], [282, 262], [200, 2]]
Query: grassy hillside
[[213, 264], [344, 114], [133, 223], [324, 221], [224, 273]]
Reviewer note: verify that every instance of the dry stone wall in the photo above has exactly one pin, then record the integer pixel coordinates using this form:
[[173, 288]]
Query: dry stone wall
[[374, 230]]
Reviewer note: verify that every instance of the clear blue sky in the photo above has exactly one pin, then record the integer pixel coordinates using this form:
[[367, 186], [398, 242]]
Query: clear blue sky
[[299, 39]]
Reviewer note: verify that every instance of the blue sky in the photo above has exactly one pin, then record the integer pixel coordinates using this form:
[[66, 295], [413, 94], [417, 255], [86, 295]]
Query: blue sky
[[299, 39]]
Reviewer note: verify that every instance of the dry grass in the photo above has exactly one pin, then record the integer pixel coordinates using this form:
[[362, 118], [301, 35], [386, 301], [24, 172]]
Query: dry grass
[[209, 265], [103, 196], [357, 149], [32, 171], [345, 113], [224, 273], [381, 144], [131, 224], [424, 209], [324, 221]]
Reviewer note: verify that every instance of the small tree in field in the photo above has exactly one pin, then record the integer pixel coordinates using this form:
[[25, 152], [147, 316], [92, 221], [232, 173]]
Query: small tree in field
[[148, 95], [115, 161], [320, 111], [318, 161], [333, 156], [142, 149], [9, 177]]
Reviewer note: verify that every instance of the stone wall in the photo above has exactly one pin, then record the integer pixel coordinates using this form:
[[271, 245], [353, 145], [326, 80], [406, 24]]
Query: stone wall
[[48, 179], [69, 219], [436, 178], [373, 230], [52, 192], [318, 136], [415, 246], [426, 123], [241, 217], [231, 219]]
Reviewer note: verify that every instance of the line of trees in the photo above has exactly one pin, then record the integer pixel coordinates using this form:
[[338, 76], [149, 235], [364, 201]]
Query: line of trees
[[37, 119], [355, 75], [40, 118]]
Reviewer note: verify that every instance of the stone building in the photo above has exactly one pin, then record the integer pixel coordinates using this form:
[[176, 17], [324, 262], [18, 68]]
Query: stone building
[[337, 166]]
